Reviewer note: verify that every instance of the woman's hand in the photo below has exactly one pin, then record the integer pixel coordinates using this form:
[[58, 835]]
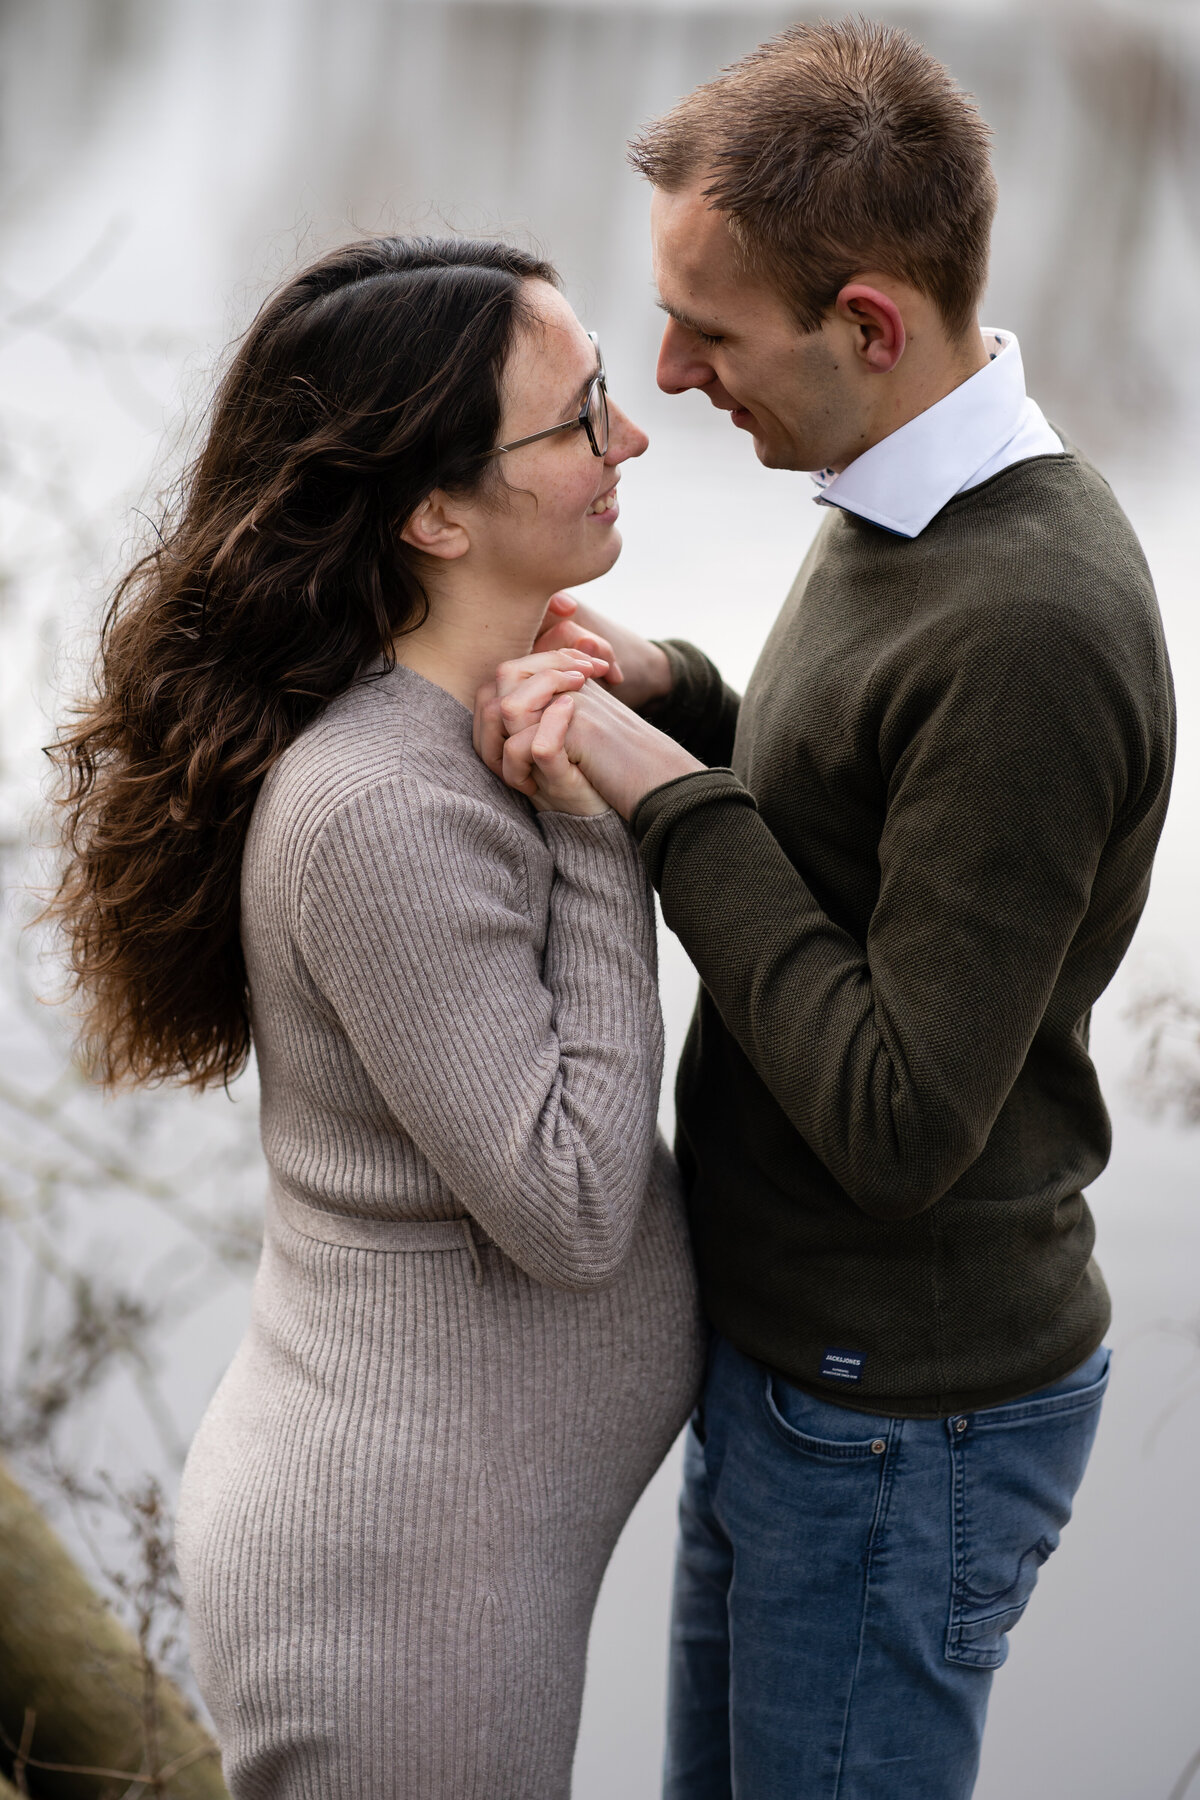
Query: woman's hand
[[522, 690], [536, 763], [508, 730], [621, 754]]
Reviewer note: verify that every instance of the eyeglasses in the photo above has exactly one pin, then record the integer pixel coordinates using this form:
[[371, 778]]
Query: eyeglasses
[[593, 418]]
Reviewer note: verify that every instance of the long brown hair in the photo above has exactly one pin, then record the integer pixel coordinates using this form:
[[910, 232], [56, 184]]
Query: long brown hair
[[371, 378]]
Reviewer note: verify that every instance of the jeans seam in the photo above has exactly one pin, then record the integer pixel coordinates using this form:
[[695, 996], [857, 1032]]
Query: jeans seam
[[1021, 1412], [895, 1433], [802, 1443], [958, 1542]]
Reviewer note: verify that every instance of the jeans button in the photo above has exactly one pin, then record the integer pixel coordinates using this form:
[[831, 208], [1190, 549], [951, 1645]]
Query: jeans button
[[878, 1446], [960, 1424]]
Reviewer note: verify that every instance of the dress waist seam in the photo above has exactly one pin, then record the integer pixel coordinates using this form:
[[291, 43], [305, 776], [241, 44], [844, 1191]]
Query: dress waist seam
[[352, 1231]]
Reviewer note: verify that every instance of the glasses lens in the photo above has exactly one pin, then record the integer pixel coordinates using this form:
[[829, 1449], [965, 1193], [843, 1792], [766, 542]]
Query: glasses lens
[[597, 413]]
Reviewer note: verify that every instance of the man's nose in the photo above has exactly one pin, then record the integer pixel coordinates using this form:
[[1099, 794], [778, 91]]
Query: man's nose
[[681, 363]]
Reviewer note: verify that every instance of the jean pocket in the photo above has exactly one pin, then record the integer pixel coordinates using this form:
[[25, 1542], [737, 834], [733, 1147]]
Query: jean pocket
[[1015, 1472], [818, 1428]]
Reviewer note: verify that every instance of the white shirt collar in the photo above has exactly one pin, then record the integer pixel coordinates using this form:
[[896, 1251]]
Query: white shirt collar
[[987, 422]]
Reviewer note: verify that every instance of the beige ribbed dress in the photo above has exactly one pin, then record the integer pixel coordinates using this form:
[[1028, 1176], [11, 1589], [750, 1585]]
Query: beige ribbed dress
[[475, 1329]]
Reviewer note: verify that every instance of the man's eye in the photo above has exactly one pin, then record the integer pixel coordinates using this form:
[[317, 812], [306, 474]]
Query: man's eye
[[706, 339]]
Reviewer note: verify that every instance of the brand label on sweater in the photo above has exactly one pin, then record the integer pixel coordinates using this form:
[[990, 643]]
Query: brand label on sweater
[[843, 1365]]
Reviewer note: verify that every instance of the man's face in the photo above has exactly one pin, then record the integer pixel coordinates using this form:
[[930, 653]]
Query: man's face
[[731, 335]]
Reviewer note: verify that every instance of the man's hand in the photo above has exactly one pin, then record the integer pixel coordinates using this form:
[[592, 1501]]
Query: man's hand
[[619, 753], [554, 783], [511, 705], [638, 671]]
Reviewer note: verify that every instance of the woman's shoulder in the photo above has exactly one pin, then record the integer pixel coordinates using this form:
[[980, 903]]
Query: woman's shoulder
[[393, 755]]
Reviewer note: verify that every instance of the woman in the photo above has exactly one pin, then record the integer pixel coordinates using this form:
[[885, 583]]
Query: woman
[[474, 1331]]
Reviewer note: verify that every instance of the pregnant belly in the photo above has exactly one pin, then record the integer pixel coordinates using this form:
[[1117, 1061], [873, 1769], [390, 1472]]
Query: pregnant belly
[[406, 1381]]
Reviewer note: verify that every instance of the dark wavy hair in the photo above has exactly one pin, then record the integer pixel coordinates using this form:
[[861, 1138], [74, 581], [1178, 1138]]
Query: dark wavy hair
[[370, 379]]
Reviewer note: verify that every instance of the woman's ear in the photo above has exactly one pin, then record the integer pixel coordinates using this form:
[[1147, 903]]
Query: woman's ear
[[436, 528]]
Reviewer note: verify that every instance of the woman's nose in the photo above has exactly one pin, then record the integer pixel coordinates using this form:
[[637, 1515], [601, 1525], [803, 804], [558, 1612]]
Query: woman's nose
[[625, 439], [681, 365]]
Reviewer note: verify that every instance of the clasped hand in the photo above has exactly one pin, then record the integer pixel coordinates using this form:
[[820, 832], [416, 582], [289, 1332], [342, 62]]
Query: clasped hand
[[559, 724]]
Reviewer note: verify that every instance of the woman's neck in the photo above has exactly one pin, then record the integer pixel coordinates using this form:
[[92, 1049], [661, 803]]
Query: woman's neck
[[467, 634]]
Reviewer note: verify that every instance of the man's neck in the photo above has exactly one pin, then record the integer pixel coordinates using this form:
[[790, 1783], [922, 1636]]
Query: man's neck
[[923, 376]]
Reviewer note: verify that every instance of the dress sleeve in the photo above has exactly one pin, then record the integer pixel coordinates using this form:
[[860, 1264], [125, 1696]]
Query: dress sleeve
[[701, 711], [521, 1056]]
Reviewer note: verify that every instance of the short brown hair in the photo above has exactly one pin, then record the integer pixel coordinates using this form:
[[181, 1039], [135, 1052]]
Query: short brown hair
[[835, 148]]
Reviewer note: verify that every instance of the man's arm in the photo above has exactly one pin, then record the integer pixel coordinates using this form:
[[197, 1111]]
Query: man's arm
[[1006, 769], [701, 711]]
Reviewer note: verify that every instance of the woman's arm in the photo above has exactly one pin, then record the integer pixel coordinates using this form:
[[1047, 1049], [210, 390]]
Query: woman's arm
[[523, 1057]]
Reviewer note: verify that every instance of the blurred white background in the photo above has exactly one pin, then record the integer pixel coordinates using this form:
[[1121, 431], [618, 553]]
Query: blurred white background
[[162, 163]]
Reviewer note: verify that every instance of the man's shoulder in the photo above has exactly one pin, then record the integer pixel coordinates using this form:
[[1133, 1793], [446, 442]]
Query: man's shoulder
[[1044, 541], [1058, 506], [1036, 568]]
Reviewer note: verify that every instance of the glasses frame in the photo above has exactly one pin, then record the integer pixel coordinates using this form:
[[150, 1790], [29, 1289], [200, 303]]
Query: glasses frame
[[598, 383]]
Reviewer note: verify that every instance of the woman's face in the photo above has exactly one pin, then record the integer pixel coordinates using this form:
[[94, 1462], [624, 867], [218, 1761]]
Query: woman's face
[[556, 525]]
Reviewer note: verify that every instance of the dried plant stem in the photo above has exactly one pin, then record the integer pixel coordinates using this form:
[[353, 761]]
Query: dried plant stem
[[1186, 1778], [23, 1748]]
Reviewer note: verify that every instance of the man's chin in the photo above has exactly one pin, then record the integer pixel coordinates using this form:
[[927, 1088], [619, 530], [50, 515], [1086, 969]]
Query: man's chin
[[772, 456], [782, 456]]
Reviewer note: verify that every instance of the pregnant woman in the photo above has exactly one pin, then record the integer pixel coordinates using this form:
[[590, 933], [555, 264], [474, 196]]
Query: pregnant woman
[[474, 1331]]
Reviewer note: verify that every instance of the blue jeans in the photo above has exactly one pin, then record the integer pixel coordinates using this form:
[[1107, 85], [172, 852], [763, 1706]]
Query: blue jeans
[[845, 1582]]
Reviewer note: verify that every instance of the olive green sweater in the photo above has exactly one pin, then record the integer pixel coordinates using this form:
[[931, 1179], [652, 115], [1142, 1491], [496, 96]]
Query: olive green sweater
[[948, 777]]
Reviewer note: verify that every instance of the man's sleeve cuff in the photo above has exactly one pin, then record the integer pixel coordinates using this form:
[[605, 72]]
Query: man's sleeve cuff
[[696, 690], [659, 812]]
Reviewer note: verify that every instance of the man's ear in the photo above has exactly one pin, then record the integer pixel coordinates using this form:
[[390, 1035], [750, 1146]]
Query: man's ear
[[878, 326], [436, 528]]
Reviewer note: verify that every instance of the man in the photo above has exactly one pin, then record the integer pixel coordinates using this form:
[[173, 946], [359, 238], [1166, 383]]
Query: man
[[905, 866]]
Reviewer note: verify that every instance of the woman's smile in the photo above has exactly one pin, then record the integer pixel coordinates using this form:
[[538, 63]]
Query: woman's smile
[[605, 505]]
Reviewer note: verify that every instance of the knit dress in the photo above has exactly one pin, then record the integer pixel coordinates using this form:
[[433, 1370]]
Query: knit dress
[[475, 1330]]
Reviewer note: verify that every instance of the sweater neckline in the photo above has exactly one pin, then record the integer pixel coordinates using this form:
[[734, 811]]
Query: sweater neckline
[[1061, 457], [433, 700]]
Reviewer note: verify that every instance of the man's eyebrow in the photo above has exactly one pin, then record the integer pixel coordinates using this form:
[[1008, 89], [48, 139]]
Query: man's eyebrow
[[687, 321]]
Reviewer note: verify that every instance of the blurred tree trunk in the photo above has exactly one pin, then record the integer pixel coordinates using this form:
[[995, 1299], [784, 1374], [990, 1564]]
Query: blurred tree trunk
[[67, 1660]]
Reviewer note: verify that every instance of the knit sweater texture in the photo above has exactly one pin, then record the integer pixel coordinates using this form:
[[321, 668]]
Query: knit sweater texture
[[475, 1329], [922, 867]]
